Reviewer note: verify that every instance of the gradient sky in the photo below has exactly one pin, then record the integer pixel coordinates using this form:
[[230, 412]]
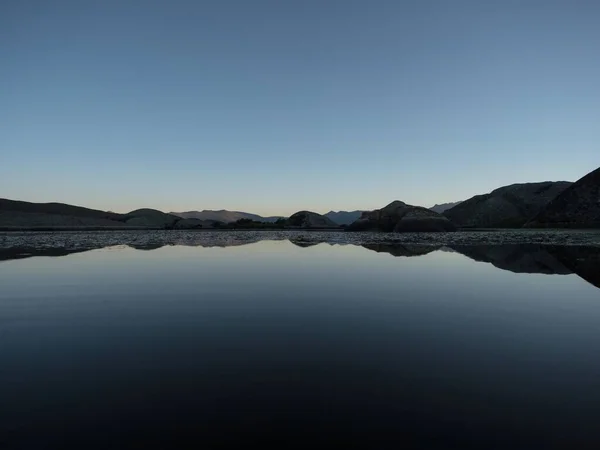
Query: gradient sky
[[276, 106]]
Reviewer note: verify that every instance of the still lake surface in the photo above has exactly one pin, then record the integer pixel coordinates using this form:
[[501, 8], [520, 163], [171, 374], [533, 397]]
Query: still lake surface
[[233, 339]]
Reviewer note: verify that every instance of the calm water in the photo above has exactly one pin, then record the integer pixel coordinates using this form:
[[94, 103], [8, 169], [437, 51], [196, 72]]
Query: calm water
[[372, 346]]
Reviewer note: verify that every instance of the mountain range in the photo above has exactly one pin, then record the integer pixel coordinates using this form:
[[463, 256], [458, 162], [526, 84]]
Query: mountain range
[[17, 215], [224, 216], [535, 205]]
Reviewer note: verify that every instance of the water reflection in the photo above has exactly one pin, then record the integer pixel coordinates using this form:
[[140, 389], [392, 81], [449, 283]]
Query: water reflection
[[518, 258], [525, 258], [402, 250], [303, 244], [551, 259], [302, 339], [7, 254]]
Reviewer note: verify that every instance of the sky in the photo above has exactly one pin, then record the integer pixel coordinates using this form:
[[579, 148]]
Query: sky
[[273, 106]]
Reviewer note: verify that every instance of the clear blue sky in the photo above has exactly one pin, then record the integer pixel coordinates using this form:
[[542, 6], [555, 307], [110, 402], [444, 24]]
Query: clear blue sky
[[276, 106]]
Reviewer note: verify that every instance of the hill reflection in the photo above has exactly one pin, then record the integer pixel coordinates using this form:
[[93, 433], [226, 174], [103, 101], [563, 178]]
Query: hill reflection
[[583, 261], [406, 250], [518, 258]]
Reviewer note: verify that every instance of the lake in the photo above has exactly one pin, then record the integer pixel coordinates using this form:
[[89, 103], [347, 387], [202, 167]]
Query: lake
[[228, 339]]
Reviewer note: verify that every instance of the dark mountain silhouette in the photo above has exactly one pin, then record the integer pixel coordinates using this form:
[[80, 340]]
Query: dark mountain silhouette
[[343, 217], [443, 207], [400, 217], [309, 219], [578, 206], [59, 216], [506, 207], [150, 218], [224, 216], [55, 208], [25, 215]]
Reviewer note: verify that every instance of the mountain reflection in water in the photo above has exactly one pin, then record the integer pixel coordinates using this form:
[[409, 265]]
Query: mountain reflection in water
[[581, 260], [126, 340], [518, 258]]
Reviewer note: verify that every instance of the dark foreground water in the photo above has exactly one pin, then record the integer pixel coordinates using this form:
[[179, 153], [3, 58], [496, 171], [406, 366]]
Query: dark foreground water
[[297, 343]]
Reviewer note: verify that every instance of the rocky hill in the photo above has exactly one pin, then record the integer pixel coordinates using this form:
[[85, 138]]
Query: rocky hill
[[400, 217], [150, 218], [309, 219], [506, 207], [16, 214], [19, 215], [578, 206], [56, 209]]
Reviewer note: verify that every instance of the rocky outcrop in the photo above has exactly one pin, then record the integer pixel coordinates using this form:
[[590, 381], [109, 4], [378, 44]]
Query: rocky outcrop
[[506, 207], [578, 206], [308, 219], [400, 217]]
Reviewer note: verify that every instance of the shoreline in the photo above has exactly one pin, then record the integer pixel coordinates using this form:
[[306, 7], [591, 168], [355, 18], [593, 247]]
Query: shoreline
[[62, 229], [133, 228]]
